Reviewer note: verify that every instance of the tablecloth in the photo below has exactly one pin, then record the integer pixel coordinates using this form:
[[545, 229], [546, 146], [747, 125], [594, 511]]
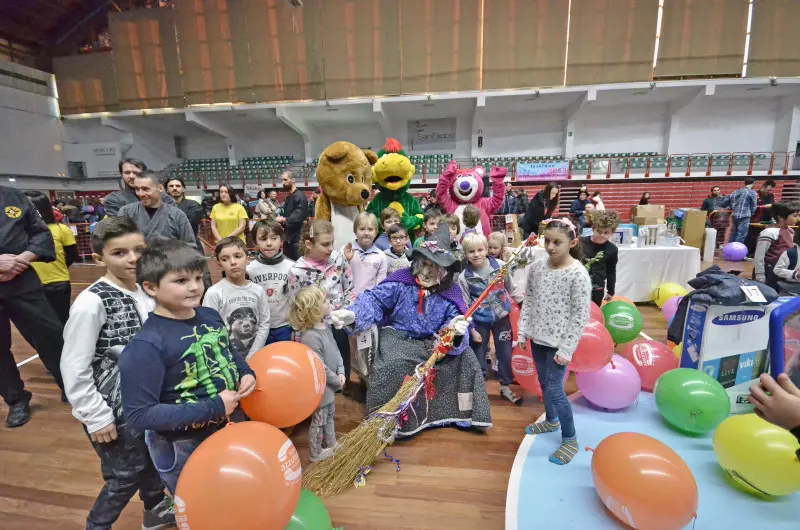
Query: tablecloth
[[640, 270]]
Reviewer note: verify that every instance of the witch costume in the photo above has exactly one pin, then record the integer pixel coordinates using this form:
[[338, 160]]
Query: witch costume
[[410, 316]]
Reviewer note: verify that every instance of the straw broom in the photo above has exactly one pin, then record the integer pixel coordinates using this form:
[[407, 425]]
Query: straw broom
[[360, 447]]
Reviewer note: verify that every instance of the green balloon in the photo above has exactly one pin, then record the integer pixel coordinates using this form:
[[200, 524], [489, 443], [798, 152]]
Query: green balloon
[[623, 321], [691, 401], [310, 514]]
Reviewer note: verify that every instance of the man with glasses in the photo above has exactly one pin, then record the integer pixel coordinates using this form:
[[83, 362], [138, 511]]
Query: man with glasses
[[129, 169]]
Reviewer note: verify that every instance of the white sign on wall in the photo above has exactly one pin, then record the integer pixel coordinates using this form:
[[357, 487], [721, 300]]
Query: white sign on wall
[[432, 135], [252, 190], [100, 160]]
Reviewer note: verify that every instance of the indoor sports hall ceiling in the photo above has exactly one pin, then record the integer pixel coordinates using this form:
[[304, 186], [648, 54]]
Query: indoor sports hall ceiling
[[45, 22]]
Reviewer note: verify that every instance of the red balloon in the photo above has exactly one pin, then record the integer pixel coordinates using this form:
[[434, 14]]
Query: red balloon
[[246, 475], [290, 381], [594, 349], [596, 313], [525, 371], [651, 359]]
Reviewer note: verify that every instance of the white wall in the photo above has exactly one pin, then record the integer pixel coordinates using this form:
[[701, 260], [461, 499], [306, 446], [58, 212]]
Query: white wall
[[269, 139], [522, 133], [208, 146], [620, 129], [30, 139], [725, 125], [363, 135]]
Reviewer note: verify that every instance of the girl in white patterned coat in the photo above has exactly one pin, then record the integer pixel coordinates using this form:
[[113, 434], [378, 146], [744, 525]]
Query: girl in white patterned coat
[[554, 313]]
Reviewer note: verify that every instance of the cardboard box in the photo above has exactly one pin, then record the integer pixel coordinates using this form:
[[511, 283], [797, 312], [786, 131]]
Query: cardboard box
[[646, 221], [693, 229], [730, 344], [648, 210]]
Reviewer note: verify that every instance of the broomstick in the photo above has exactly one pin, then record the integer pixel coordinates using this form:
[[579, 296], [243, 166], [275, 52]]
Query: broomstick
[[359, 448]]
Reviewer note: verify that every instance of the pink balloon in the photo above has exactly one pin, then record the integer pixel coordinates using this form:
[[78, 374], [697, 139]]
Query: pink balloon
[[670, 307], [615, 386], [596, 313], [525, 371], [594, 349], [651, 359]]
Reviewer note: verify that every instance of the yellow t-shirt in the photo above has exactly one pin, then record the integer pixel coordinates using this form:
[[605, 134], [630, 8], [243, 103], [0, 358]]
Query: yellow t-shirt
[[227, 218], [56, 271]]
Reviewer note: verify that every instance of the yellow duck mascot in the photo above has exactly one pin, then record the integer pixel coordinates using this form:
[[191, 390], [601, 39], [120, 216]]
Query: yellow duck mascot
[[393, 173]]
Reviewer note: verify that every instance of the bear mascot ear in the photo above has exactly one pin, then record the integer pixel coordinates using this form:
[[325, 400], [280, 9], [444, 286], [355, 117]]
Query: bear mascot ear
[[337, 151], [479, 171], [371, 156]]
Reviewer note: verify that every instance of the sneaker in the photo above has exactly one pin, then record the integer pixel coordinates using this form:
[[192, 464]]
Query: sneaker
[[159, 517], [510, 395], [325, 453], [20, 412]]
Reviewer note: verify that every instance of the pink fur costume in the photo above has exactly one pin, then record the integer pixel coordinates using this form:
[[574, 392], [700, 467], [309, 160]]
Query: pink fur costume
[[459, 187]]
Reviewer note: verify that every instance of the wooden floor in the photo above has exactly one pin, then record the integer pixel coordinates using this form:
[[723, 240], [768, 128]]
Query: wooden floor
[[49, 474]]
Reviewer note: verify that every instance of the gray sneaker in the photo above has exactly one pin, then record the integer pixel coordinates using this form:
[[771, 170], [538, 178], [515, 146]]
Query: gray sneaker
[[161, 516], [325, 453], [510, 395]]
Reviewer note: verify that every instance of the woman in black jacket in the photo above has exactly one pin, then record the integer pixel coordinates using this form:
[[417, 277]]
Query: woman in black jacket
[[543, 205]]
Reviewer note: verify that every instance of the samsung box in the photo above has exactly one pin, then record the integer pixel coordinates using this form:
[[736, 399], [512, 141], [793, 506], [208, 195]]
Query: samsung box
[[730, 344]]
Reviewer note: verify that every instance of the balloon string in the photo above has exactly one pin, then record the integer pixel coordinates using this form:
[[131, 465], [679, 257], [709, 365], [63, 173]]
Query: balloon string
[[694, 521], [393, 459]]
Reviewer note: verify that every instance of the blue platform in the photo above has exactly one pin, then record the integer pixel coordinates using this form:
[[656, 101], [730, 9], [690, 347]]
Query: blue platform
[[564, 496]]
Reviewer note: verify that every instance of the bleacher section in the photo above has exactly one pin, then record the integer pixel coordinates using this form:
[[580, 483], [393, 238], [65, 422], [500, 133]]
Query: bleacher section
[[507, 161], [265, 166]]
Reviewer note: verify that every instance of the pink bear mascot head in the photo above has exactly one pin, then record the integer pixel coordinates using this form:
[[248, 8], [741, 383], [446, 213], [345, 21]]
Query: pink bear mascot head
[[468, 185]]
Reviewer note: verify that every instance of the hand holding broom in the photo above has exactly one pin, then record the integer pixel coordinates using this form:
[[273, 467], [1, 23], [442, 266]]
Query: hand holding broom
[[360, 447]]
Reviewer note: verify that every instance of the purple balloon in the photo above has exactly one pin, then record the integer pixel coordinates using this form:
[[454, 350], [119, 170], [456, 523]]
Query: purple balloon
[[614, 386], [734, 251], [670, 307]]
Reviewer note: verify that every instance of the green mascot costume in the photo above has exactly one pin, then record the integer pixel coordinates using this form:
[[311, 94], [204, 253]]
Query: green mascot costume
[[393, 173]]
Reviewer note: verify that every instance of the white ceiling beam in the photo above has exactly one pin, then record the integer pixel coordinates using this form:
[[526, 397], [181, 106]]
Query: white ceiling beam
[[208, 124]]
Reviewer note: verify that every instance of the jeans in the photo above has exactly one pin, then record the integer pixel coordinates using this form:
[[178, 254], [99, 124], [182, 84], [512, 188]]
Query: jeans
[[551, 379], [501, 331], [126, 467], [281, 334], [739, 228], [170, 454]]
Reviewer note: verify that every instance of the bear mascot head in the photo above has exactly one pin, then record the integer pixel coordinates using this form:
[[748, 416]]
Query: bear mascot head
[[344, 174]]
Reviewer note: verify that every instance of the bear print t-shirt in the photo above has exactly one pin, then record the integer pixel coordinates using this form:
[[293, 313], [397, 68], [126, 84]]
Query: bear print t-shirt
[[245, 311]]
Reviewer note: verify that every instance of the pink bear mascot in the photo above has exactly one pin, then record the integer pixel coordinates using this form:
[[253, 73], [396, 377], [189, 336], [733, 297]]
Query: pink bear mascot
[[459, 187]]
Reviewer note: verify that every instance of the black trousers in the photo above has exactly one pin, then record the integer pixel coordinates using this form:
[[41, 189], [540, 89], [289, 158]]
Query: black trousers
[[290, 248], [343, 342], [598, 293], [59, 294], [126, 467], [37, 322]]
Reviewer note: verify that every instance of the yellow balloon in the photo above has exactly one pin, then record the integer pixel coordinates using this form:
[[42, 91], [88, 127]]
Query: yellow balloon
[[677, 349], [665, 291], [758, 456]]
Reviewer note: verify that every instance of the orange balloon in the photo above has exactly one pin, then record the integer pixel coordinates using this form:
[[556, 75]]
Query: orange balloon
[[644, 483], [290, 381], [246, 475], [620, 299]]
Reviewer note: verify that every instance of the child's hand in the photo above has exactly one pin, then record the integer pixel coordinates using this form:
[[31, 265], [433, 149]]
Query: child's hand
[[342, 380], [230, 399], [607, 298], [522, 344], [348, 251], [476, 337], [105, 435], [561, 360], [246, 386]]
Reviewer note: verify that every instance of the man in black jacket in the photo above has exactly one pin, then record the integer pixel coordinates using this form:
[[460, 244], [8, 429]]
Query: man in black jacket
[[194, 212], [24, 238], [295, 213], [129, 169]]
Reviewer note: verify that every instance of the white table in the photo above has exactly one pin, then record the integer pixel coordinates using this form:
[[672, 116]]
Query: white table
[[641, 270]]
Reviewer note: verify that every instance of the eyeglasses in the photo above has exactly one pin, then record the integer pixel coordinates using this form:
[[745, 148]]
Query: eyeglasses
[[398, 238]]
